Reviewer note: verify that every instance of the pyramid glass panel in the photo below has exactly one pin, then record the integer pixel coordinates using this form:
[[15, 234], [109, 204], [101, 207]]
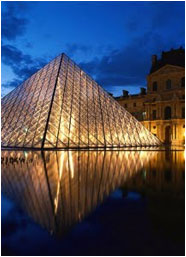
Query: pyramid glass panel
[[60, 106]]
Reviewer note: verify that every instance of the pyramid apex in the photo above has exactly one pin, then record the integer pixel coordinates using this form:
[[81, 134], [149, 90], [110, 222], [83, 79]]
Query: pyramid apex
[[70, 112], [65, 54]]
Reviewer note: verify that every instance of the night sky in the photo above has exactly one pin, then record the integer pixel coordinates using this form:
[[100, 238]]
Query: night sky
[[112, 41]]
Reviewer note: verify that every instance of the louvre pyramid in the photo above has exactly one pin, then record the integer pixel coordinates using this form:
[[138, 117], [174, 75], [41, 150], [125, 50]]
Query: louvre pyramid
[[60, 106]]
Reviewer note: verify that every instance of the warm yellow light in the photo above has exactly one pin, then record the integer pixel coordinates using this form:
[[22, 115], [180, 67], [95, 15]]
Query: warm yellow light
[[71, 164], [56, 200]]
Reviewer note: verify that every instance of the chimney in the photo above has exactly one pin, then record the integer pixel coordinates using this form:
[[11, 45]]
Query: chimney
[[154, 59], [125, 93], [142, 91]]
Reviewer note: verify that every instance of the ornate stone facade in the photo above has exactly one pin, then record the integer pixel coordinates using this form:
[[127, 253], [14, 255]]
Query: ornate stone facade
[[162, 108]]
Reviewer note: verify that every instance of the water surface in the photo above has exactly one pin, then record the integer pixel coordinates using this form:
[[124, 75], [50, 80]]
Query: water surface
[[93, 202]]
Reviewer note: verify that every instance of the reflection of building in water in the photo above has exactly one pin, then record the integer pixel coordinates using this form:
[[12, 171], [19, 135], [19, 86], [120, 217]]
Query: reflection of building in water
[[164, 173], [57, 189], [162, 185]]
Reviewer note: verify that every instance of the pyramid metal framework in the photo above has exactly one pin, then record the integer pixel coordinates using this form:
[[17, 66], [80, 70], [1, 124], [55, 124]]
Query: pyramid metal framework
[[60, 106]]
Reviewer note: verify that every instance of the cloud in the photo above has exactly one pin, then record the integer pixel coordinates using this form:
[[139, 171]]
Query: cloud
[[11, 56], [12, 24], [74, 48], [9, 86], [120, 67], [129, 65], [29, 45], [23, 65]]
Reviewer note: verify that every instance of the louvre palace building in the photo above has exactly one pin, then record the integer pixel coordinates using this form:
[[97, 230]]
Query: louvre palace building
[[161, 108]]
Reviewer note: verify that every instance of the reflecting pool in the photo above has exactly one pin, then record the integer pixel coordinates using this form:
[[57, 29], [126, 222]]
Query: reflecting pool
[[93, 202]]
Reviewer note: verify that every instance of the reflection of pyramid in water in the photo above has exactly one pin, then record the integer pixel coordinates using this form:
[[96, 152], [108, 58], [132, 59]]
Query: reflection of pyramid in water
[[60, 106], [59, 188]]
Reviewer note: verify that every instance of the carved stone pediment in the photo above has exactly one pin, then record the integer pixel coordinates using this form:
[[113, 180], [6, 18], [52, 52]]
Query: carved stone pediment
[[168, 69]]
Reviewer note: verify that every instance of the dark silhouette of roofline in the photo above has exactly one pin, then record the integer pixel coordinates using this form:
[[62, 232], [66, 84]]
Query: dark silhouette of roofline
[[174, 57]]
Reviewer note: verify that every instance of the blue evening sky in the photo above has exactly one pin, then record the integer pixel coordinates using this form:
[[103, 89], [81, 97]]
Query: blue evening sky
[[112, 41]]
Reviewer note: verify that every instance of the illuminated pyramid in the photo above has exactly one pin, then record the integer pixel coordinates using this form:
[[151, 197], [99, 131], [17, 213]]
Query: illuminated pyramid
[[60, 106]]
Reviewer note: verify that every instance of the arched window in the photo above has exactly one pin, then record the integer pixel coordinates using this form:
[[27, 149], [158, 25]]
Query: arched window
[[168, 84], [183, 82], [155, 86], [167, 113]]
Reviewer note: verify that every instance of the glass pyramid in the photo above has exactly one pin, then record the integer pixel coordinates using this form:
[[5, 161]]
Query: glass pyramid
[[60, 106]]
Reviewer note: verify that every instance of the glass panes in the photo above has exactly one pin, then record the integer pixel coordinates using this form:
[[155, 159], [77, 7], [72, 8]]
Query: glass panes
[[60, 106]]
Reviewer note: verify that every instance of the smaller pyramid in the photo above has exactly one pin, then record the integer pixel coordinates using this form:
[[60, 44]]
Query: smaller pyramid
[[60, 106]]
